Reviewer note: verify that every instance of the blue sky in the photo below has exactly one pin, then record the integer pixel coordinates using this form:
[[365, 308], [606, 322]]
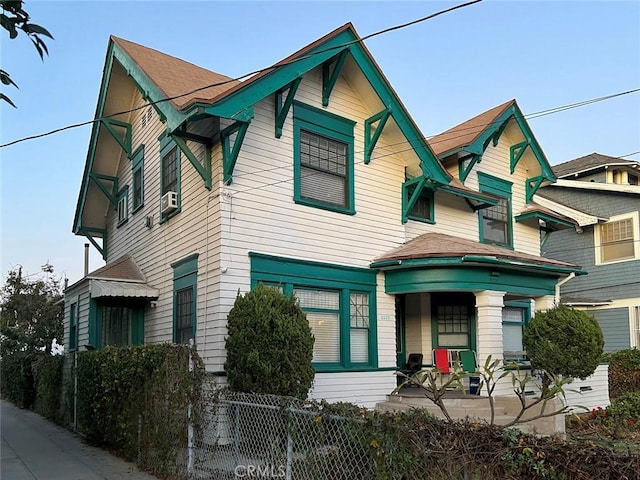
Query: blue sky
[[446, 70]]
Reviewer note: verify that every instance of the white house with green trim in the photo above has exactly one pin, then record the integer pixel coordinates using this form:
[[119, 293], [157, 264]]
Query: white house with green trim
[[310, 176]]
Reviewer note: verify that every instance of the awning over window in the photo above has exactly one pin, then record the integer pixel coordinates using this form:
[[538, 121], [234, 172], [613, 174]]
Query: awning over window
[[113, 288]]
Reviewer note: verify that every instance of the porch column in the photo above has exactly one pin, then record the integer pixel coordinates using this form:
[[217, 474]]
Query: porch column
[[489, 305], [545, 303]]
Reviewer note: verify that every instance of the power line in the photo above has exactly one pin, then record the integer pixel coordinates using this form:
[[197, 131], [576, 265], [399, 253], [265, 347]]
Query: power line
[[246, 75]]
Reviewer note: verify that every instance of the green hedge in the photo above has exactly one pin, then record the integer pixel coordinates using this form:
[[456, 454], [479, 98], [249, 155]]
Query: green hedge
[[135, 399], [17, 382], [624, 372]]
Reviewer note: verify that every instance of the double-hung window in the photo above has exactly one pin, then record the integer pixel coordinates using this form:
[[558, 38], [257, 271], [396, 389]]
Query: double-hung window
[[137, 173], [339, 302], [496, 226], [618, 239], [323, 159], [185, 276], [123, 205], [73, 326], [515, 317], [169, 177]]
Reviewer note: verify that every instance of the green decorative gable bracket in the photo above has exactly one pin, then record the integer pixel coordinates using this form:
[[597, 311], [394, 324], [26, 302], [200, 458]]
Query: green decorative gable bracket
[[231, 148], [409, 201], [330, 76], [124, 141], [99, 180], [531, 187], [282, 109], [466, 164], [90, 233], [370, 124], [203, 169]]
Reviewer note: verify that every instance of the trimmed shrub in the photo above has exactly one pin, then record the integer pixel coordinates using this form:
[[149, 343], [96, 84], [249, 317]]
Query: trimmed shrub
[[624, 372], [17, 384], [564, 341], [136, 399], [270, 345], [47, 373]]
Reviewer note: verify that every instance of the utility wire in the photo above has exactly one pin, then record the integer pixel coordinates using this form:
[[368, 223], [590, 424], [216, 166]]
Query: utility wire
[[255, 72]]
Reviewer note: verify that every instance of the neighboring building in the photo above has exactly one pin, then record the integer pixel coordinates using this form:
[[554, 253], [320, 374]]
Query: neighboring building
[[605, 190], [310, 176]]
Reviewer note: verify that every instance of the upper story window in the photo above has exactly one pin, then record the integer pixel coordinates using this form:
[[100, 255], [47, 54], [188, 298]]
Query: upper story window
[[137, 172], [169, 179], [618, 239], [422, 210], [496, 225], [123, 205], [323, 159]]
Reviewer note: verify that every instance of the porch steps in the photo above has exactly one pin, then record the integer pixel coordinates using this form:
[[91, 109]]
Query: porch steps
[[458, 408]]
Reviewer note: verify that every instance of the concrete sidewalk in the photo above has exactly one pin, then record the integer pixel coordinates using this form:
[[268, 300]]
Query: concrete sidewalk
[[35, 449]]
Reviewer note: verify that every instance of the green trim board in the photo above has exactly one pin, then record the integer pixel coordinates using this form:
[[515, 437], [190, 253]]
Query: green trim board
[[531, 186], [73, 326], [290, 274], [469, 278], [330, 76], [333, 127], [412, 191], [282, 108], [370, 140], [230, 152], [546, 218], [476, 200], [185, 276]]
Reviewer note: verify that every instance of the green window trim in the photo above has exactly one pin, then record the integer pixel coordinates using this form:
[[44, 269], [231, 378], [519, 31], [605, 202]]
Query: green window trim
[[290, 274], [414, 194], [524, 307], [73, 326], [335, 128], [97, 320], [442, 300], [137, 175], [122, 202], [501, 188], [168, 146], [185, 279]]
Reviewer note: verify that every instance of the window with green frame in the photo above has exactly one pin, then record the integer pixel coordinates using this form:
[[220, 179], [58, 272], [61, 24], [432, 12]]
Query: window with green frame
[[122, 202], [185, 278], [453, 321], [340, 303], [496, 224], [73, 326], [323, 159], [423, 208], [137, 174], [116, 321], [515, 317], [169, 174]]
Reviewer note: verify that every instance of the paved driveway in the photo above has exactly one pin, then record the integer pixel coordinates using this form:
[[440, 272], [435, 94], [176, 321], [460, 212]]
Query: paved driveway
[[36, 449]]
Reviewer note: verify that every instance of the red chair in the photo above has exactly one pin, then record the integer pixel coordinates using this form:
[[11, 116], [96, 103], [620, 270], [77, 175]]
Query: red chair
[[441, 359]]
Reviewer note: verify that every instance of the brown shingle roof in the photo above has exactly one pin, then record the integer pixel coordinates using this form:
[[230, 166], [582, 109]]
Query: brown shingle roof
[[465, 133], [534, 207], [439, 245], [174, 76], [124, 268], [586, 163]]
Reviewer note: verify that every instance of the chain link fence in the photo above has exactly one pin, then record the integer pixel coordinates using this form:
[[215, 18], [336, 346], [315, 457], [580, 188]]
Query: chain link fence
[[262, 436]]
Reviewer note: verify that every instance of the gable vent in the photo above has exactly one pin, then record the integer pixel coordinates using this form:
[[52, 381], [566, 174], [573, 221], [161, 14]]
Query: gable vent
[[146, 117]]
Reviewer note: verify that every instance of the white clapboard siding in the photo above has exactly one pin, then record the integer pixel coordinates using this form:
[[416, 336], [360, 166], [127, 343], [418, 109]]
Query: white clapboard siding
[[362, 388], [592, 392]]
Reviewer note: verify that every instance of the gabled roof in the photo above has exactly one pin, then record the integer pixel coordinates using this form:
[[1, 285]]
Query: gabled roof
[[174, 76], [593, 161], [467, 132], [441, 246], [474, 135], [124, 268]]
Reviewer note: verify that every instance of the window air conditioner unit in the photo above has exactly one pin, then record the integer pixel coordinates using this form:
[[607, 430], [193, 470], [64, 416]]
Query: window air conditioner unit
[[169, 202]]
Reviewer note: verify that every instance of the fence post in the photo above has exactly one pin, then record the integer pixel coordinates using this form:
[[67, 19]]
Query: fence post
[[75, 391], [189, 423], [289, 445]]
